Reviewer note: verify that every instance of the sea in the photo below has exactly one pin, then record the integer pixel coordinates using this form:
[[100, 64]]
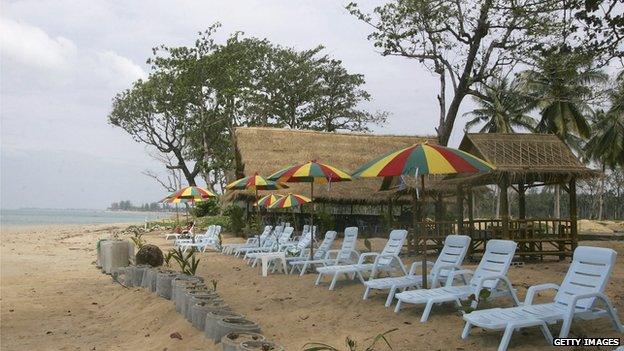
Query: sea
[[36, 216]]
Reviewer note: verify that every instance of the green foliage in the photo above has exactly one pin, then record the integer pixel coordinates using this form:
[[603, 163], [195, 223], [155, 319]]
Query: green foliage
[[325, 221], [205, 208], [466, 307], [223, 221], [351, 345], [368, 245], [187, 261], [214, 283], [236, 216], [167, 258]]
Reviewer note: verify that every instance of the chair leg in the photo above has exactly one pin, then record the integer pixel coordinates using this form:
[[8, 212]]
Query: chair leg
[[366, 293], [506, 338], [304, 269], [318, 279], [546, 333], [390, 296], [333, 282], [427, 311], [565, 328], [398, 306], [466, 330]]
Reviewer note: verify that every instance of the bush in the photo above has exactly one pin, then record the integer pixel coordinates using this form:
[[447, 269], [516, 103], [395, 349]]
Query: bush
[[149, 254], [324, 222], [205, 222], [205, 208], [236, 216]]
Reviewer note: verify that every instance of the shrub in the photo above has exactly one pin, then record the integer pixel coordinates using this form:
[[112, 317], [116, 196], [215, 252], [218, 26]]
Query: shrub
[[324, 221], [223, 221], [205, 208], [236, 215], [150, 254]]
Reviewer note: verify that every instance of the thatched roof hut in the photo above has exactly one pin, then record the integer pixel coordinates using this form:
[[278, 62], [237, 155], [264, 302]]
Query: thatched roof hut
[[266, 150], [523, 158]]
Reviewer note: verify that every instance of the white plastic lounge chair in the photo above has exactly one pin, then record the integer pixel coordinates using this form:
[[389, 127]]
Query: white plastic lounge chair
[[209, 232], [202, 242], [272, 243], [268, 241], [346, 255], [491, 270], [229, 249], [383, 261], [451, 257], [176, 236], [577, 297], [267, 258], [302, 262]]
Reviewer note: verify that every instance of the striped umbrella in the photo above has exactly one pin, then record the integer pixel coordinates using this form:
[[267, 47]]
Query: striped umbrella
[[311, 172], [268, 200], [190, 194], [290, 200], [421, 159]]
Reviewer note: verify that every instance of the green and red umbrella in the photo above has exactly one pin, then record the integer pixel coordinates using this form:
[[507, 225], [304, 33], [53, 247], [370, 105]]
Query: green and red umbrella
[[267, 200], [312, 172], [255, 182], [421, 159], [290, 200], [190, 194]]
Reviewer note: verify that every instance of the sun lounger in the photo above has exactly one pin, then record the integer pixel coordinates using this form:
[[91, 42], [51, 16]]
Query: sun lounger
[[346, 255], [202, 242], [451, 257], [229, 249], [273, 244], [268, 241], [384, 261], [302, 262], [267, 258], [577, 297], [491, 271]]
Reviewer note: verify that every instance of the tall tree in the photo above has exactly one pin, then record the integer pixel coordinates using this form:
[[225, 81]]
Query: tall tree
[[501, 109], [338, 103], [465, 42], [606, 145], [155, 112]]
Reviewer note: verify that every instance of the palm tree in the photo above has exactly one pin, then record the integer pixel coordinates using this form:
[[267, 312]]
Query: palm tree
[[560, 86], [606, 145], [501, 108]]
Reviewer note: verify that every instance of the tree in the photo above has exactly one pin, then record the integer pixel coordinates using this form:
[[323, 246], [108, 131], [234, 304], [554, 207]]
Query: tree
[[337, 105], [606, 145], [154, 112], [461, 41], [501, 108], [561, 85]]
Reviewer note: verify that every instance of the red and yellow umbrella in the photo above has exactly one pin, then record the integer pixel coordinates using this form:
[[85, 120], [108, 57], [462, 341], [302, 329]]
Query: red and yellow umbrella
[[421, 159], [290, 200], [255, 182], [311, 172], [268, 200], [190, 194]]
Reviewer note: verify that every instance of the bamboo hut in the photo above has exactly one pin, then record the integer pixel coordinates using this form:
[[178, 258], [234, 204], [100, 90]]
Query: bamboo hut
[[522, 161], [266, 150]]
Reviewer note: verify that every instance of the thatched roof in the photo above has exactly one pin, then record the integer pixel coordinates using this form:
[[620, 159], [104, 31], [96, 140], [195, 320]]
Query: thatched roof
[[524, 157], [266, 150]]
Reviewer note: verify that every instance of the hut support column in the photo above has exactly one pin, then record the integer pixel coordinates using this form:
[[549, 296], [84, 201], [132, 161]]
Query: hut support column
[[573, 212], [460, 209], [521, 201], [470, 220], [504, 206]]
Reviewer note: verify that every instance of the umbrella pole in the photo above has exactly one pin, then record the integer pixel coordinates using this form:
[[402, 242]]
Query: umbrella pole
[[424, 237], [312, 220], [257, 211]]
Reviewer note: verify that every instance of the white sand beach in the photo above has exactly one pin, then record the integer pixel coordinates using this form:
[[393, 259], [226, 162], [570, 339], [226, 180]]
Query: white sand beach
[[53, 298]]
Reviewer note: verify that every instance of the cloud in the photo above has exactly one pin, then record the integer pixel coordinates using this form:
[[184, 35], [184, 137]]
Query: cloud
[[30, 45], [115, 68]]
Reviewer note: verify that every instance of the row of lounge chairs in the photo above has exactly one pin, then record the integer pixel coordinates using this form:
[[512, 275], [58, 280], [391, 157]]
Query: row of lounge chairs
[[577, 297], [199, 242]]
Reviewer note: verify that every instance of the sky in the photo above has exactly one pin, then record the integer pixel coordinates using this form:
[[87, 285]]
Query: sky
[[61, 63]]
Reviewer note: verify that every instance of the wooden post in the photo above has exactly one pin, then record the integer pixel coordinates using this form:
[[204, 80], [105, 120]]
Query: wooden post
[[470, 220], [460, 209], [521, 201], [390, 216], [573, 212], [504, 206]]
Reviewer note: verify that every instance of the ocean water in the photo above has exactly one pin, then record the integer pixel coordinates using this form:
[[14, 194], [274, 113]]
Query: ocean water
[[53, 216]]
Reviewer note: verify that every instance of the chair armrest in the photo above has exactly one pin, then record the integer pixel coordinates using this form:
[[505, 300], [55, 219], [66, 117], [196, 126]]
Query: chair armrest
[[330, 252], [417, 264], [452, 274], [530, 295], [365, 255], [495, 277], [436, 272], [392, 258]]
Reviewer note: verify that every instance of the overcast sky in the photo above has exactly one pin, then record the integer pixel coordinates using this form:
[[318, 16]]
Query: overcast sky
[[63, 61]]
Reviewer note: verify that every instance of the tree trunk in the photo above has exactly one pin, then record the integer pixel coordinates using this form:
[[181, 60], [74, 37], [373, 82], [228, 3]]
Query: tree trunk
[[557, 209], [601, 194]]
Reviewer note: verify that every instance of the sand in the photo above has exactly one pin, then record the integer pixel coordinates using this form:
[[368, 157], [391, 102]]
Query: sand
[[53, 298]]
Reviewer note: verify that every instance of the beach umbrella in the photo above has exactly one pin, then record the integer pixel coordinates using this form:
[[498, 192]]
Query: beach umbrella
[[422, 159], [190, 194], [255, 183], [312, 172], [267, 200], [290, 200]]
